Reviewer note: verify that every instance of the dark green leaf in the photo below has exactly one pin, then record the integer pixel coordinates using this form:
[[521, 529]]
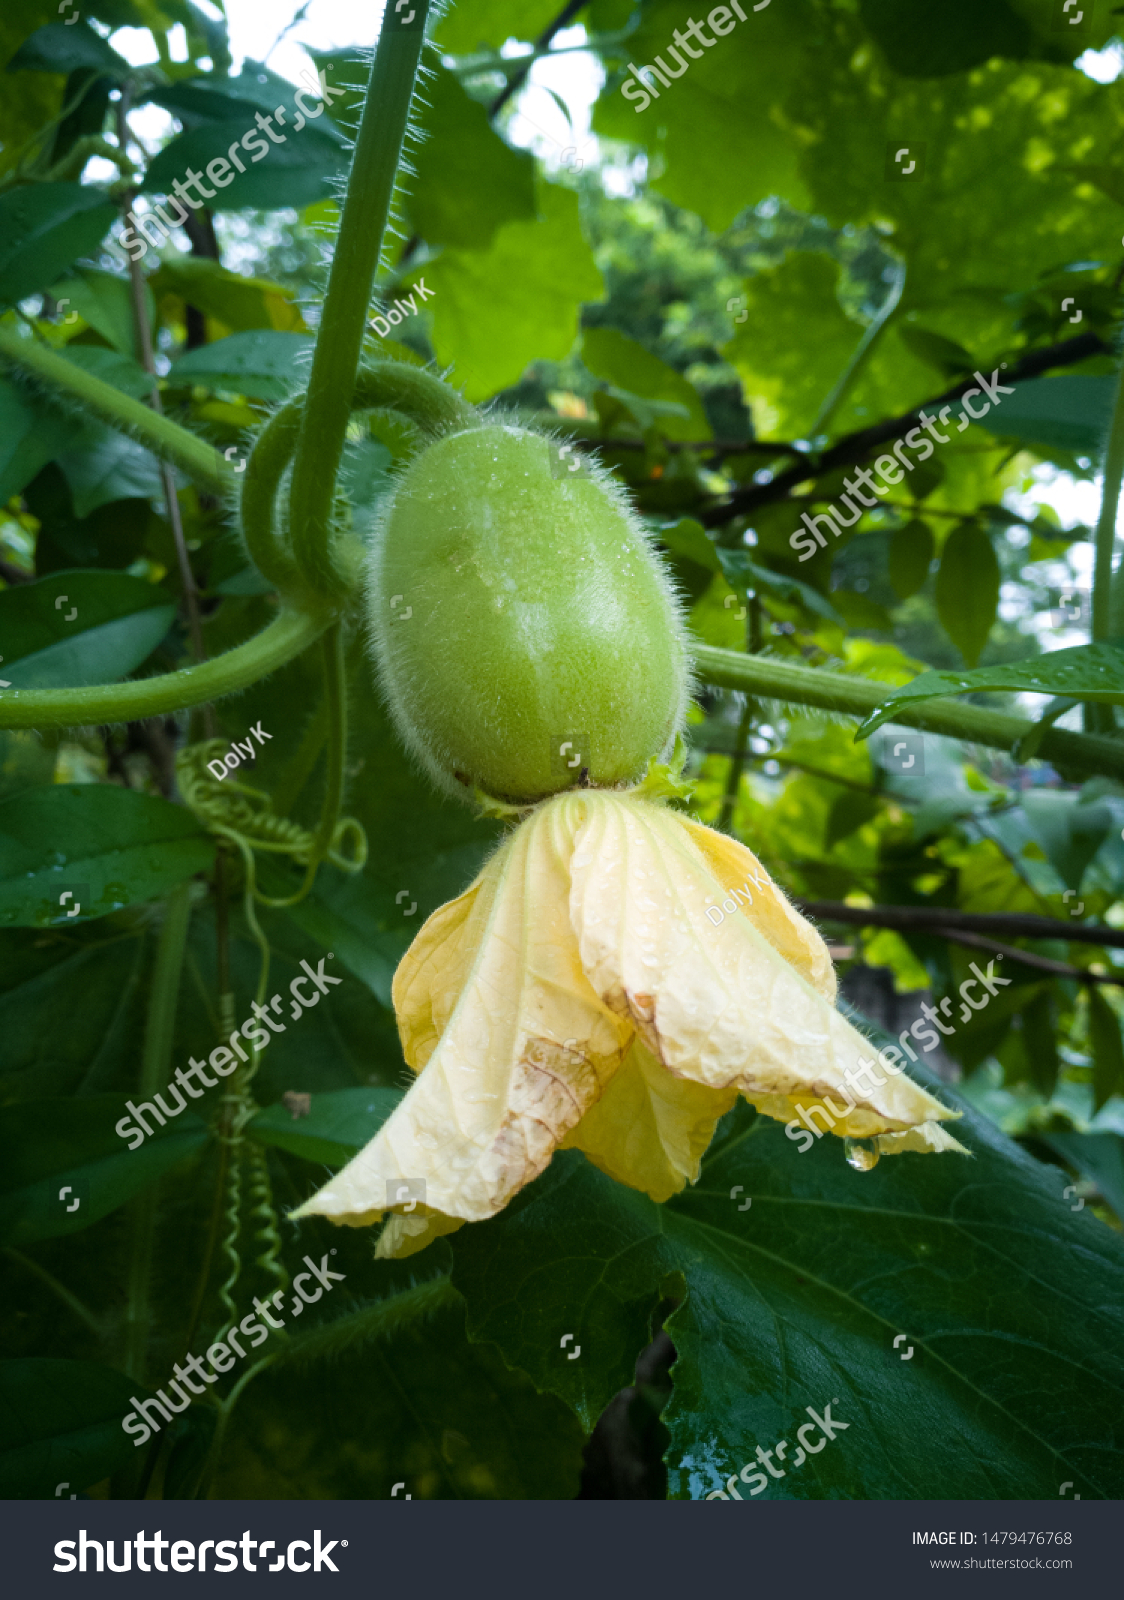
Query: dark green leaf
[[946, 355], [850, 811], [968, 589], [213, 98], [1086, 672], [30, 434], [335, 1128], [119, 845], [1107, 1047], [44, 227], [77, 628], [66, 46], [1067, 413], [419, 1407], [297, 172], [939, 37], [911, 554], [105, 301], [59, 1154], [1096, 1156], [1039, 1029], [262, 363], [60, 1423], [111, 366], [743, 573], [794, 1301], [102, 465]]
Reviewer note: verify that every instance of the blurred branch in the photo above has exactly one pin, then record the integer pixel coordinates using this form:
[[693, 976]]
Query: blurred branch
[[853, 447], [947, 922], [542, 45]]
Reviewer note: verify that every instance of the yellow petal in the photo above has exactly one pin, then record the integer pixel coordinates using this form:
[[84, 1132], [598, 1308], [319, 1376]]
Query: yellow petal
[[791, 935], [714, 1000], [650, 1129], [524, 1053], [432, 974]]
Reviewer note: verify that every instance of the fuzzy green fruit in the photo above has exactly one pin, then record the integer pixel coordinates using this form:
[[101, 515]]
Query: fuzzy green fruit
[[524, 629]]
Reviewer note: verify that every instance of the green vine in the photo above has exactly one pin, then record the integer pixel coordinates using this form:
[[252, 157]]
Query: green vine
[[370, 188]]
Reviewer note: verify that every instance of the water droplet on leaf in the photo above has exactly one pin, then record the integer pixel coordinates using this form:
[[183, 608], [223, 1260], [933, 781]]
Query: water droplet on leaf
[[862, 1154]]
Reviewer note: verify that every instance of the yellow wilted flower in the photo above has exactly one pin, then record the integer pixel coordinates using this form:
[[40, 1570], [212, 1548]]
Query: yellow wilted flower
[[612, 980]]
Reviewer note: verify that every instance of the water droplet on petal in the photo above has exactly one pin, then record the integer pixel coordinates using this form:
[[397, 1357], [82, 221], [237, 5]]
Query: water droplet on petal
[[862, 1154]]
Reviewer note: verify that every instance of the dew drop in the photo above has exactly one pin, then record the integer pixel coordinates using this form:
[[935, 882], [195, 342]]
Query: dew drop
[[862, 1154]]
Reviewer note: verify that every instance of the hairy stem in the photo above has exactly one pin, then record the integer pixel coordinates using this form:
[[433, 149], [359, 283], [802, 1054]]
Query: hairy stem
[[770, 678], [378, 148], [157, 433], [285, 637]]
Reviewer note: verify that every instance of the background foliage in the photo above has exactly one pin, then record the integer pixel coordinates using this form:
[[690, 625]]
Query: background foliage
[[687, 297]]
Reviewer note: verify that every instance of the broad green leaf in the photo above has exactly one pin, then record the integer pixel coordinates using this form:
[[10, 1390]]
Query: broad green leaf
[[334, 1129], [793, 1300], [626, 364], [102, 465], [473, 25], [793, 343], [44, 227], [237, 302], [721, 146], [60, 1423], [56, 1155], [417, 1406], [911, 555], [993, 140], [968, 589], [469, 182], [78, 628], [263, 363], [548, 270], [117, 845], [1107, 1047], [296, 172], [30, 434], [64, 47], [71, 1010], [1085, 672], [1097, 1156], [105, 301]]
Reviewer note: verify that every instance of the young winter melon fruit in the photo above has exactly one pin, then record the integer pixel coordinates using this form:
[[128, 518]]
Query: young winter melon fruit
[[526, 635]]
